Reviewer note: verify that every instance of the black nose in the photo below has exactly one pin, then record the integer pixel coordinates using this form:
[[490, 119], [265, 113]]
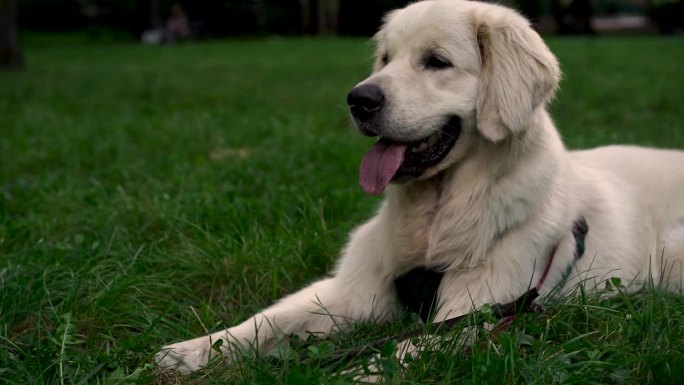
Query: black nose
[[365, 101]]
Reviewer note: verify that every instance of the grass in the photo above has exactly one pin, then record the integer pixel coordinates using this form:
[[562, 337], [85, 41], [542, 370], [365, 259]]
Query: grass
[[149, 194]]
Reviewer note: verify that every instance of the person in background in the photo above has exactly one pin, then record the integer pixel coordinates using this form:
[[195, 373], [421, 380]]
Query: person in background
[[177, 26]]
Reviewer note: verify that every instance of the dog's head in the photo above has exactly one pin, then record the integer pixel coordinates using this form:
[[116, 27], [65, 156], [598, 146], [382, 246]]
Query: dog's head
[[447, 73]]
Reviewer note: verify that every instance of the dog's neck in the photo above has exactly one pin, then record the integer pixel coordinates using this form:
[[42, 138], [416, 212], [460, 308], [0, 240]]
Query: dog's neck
[[458, 215]]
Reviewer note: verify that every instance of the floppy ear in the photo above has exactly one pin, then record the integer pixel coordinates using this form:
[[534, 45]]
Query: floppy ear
[[519, 72]]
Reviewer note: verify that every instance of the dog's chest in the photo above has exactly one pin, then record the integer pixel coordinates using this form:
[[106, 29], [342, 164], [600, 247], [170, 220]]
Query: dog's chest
[[410, 216], [431, 229]]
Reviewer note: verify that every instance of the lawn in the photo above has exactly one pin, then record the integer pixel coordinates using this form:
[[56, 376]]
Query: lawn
[[149, 194]]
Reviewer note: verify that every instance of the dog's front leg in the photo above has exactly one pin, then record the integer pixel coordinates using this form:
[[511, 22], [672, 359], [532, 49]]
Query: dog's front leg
[[320, 308]]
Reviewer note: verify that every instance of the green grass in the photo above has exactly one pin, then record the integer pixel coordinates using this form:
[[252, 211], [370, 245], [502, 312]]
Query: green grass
[[148, 194]]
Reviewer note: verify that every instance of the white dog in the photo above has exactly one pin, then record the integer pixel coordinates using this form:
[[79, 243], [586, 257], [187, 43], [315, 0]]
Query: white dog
[[479, 189]]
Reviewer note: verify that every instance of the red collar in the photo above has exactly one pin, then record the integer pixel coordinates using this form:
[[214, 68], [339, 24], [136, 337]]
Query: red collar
[[549, 262], [580, 228]]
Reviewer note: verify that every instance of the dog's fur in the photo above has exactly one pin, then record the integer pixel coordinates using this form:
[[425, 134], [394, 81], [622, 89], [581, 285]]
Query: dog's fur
[[506, 194]]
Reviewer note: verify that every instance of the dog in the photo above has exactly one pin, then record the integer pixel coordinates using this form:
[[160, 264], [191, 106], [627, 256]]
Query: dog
[[480, 193]]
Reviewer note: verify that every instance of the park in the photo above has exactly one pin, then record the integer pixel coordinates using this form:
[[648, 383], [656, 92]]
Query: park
[[151, 193]]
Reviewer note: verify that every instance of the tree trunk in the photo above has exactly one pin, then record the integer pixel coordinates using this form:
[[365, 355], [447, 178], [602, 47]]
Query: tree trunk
[[155, 18], [10, 52], [328, 14], [305, 9]]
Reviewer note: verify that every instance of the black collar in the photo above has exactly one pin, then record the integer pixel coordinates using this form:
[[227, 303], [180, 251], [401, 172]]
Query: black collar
[[417, 290]]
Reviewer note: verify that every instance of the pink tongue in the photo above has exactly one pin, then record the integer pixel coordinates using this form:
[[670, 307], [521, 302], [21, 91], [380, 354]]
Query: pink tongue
[[379, 166]]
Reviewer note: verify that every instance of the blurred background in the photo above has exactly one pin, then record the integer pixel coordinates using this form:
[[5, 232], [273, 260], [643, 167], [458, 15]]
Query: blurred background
[[165, 21]]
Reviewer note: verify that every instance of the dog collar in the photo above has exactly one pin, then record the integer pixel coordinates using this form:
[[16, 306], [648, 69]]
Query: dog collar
[[417, 290]]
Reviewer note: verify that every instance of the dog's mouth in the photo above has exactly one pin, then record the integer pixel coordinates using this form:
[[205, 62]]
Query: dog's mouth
[[390, 160]]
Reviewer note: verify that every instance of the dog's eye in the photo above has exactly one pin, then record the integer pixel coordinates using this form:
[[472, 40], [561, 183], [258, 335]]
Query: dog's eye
[[436, 62], [384, 59]]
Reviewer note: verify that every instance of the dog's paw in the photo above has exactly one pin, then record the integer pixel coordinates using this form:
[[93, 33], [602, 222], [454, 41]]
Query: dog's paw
[[186, 356]]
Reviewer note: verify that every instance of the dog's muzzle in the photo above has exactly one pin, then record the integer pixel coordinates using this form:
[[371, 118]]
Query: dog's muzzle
[[365, 103]]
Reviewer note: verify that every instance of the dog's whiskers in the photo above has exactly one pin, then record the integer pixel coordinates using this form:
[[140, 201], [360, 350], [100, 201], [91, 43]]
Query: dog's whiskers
[[441, 131]]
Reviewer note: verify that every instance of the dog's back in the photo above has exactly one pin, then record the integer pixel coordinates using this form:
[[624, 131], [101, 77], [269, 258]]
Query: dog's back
[[649, 184], [656, 175]]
